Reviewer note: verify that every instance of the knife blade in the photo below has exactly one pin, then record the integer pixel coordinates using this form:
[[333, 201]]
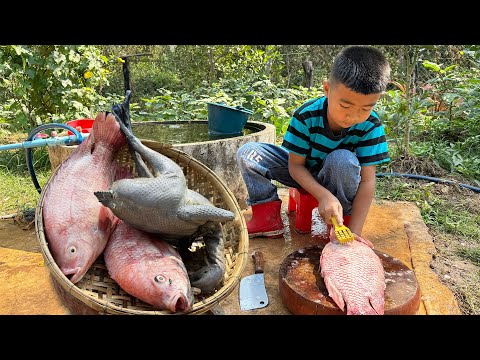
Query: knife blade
[[253, 294]]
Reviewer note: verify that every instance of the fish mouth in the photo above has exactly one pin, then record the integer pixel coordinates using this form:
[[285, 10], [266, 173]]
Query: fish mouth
[[180, 304], [73, 275]]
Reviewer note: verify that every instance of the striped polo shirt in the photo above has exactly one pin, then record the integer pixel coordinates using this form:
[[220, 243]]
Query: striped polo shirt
[[309, 135]]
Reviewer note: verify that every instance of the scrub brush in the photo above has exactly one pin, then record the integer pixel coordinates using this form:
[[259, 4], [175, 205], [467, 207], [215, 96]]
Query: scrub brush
[[343, 233]]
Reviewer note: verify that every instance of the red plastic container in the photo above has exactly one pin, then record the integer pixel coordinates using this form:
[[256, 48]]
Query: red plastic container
[[85, 124], [41, 136]]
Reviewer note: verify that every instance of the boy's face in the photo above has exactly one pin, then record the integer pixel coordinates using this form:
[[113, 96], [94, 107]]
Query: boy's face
[[347, 107]]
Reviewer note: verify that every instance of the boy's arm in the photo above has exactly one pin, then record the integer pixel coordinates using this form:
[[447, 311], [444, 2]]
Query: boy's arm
[[363, 199], [328, 204]]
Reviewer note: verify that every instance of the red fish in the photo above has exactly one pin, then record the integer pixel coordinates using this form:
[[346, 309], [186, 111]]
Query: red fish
[[148, 268], [354, 277], [77, 226]]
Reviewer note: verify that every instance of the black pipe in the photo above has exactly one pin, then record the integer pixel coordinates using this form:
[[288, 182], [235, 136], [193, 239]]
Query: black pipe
[[437, 180], [28, 151]]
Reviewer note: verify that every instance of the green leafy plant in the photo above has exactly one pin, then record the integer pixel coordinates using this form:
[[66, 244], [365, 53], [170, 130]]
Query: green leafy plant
[[43, 83]]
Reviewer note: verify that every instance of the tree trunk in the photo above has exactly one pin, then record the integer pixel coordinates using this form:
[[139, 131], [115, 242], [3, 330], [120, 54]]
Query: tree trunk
[[308, 69]]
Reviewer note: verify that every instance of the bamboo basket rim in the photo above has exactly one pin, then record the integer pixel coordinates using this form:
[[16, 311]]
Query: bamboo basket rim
[[199, 307]]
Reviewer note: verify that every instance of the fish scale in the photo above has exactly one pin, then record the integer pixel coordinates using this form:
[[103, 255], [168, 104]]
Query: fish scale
[[148, 268], [77, 226], [354, 277]]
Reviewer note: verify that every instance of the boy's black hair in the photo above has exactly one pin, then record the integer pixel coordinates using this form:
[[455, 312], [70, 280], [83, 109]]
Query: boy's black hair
[[363, 69]]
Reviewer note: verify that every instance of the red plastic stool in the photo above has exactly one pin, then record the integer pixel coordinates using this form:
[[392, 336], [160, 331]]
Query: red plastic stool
[[300, 201]]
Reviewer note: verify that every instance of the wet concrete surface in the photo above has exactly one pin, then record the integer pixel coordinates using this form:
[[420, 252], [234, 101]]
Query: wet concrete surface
[[396, 229]]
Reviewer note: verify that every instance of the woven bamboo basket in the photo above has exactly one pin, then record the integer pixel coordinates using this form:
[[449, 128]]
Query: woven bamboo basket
[[98, 293]]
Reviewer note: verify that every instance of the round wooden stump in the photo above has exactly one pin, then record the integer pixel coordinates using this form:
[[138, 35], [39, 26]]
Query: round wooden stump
[[303, 290]]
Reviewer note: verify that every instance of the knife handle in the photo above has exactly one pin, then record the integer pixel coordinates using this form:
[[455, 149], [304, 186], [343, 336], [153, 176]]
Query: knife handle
[[258, 261]]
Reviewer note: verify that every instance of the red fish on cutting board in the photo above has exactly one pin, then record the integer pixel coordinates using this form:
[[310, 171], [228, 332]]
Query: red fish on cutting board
[[148, 268], [77, 226], [354, 277]]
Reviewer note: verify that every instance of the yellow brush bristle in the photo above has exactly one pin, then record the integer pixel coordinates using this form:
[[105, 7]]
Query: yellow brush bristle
[[342, 233]]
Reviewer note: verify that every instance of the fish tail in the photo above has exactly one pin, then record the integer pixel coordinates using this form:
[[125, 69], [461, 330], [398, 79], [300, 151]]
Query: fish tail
[[107, 130]]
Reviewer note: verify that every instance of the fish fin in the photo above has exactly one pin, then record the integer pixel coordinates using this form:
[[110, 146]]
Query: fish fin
[[105, 197], [105, 221], [378, 304], [203, 213], [107, 130], [334, 293]]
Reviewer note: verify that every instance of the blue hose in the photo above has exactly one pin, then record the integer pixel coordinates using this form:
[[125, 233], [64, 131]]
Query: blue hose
[[437, 180], [28, 152]]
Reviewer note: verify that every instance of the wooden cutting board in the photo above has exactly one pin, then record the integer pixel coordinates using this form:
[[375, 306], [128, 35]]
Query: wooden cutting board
[[303, 290]]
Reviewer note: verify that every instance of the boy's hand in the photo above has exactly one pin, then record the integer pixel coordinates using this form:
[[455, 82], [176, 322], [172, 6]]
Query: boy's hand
[[363, 240], [330, 206]]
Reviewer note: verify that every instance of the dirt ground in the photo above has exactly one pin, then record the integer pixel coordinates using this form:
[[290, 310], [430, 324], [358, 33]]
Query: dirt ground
[[461, 276]]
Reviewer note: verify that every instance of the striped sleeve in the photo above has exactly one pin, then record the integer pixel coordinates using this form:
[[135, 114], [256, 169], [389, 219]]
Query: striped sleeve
[[372, 149], [297, 137]]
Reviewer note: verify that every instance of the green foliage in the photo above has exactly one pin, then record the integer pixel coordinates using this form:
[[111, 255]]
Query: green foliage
[[185, 67], [397, 113], [248, 63], [45, 83], [441, 115], [269, 103], [435, 113]]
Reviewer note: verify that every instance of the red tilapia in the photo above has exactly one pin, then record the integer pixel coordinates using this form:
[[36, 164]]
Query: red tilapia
[[354, 276], [77, 226], [148, 268]]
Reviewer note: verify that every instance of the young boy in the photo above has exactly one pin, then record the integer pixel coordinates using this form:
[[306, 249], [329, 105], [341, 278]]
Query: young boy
[[331, 148]]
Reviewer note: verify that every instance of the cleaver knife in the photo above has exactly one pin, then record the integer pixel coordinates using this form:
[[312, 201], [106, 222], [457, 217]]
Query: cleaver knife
[[252, 288]]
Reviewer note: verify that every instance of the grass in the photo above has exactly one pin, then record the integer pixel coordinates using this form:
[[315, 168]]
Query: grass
[[447, 208], [473, 255], [18, 191]]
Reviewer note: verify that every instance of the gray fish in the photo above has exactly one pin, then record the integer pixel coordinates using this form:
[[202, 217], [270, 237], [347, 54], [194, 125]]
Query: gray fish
[[160, 202]]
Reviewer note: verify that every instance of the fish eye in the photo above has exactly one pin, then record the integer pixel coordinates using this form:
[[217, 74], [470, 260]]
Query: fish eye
[[160, 278], [72, 249]]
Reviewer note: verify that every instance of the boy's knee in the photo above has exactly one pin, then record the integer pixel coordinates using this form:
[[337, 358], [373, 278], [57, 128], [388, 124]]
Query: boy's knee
[[341, 156], [246, 149], [343, 161]]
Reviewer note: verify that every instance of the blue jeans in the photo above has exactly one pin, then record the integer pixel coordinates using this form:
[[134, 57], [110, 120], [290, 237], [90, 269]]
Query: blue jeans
[[260, 163]]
